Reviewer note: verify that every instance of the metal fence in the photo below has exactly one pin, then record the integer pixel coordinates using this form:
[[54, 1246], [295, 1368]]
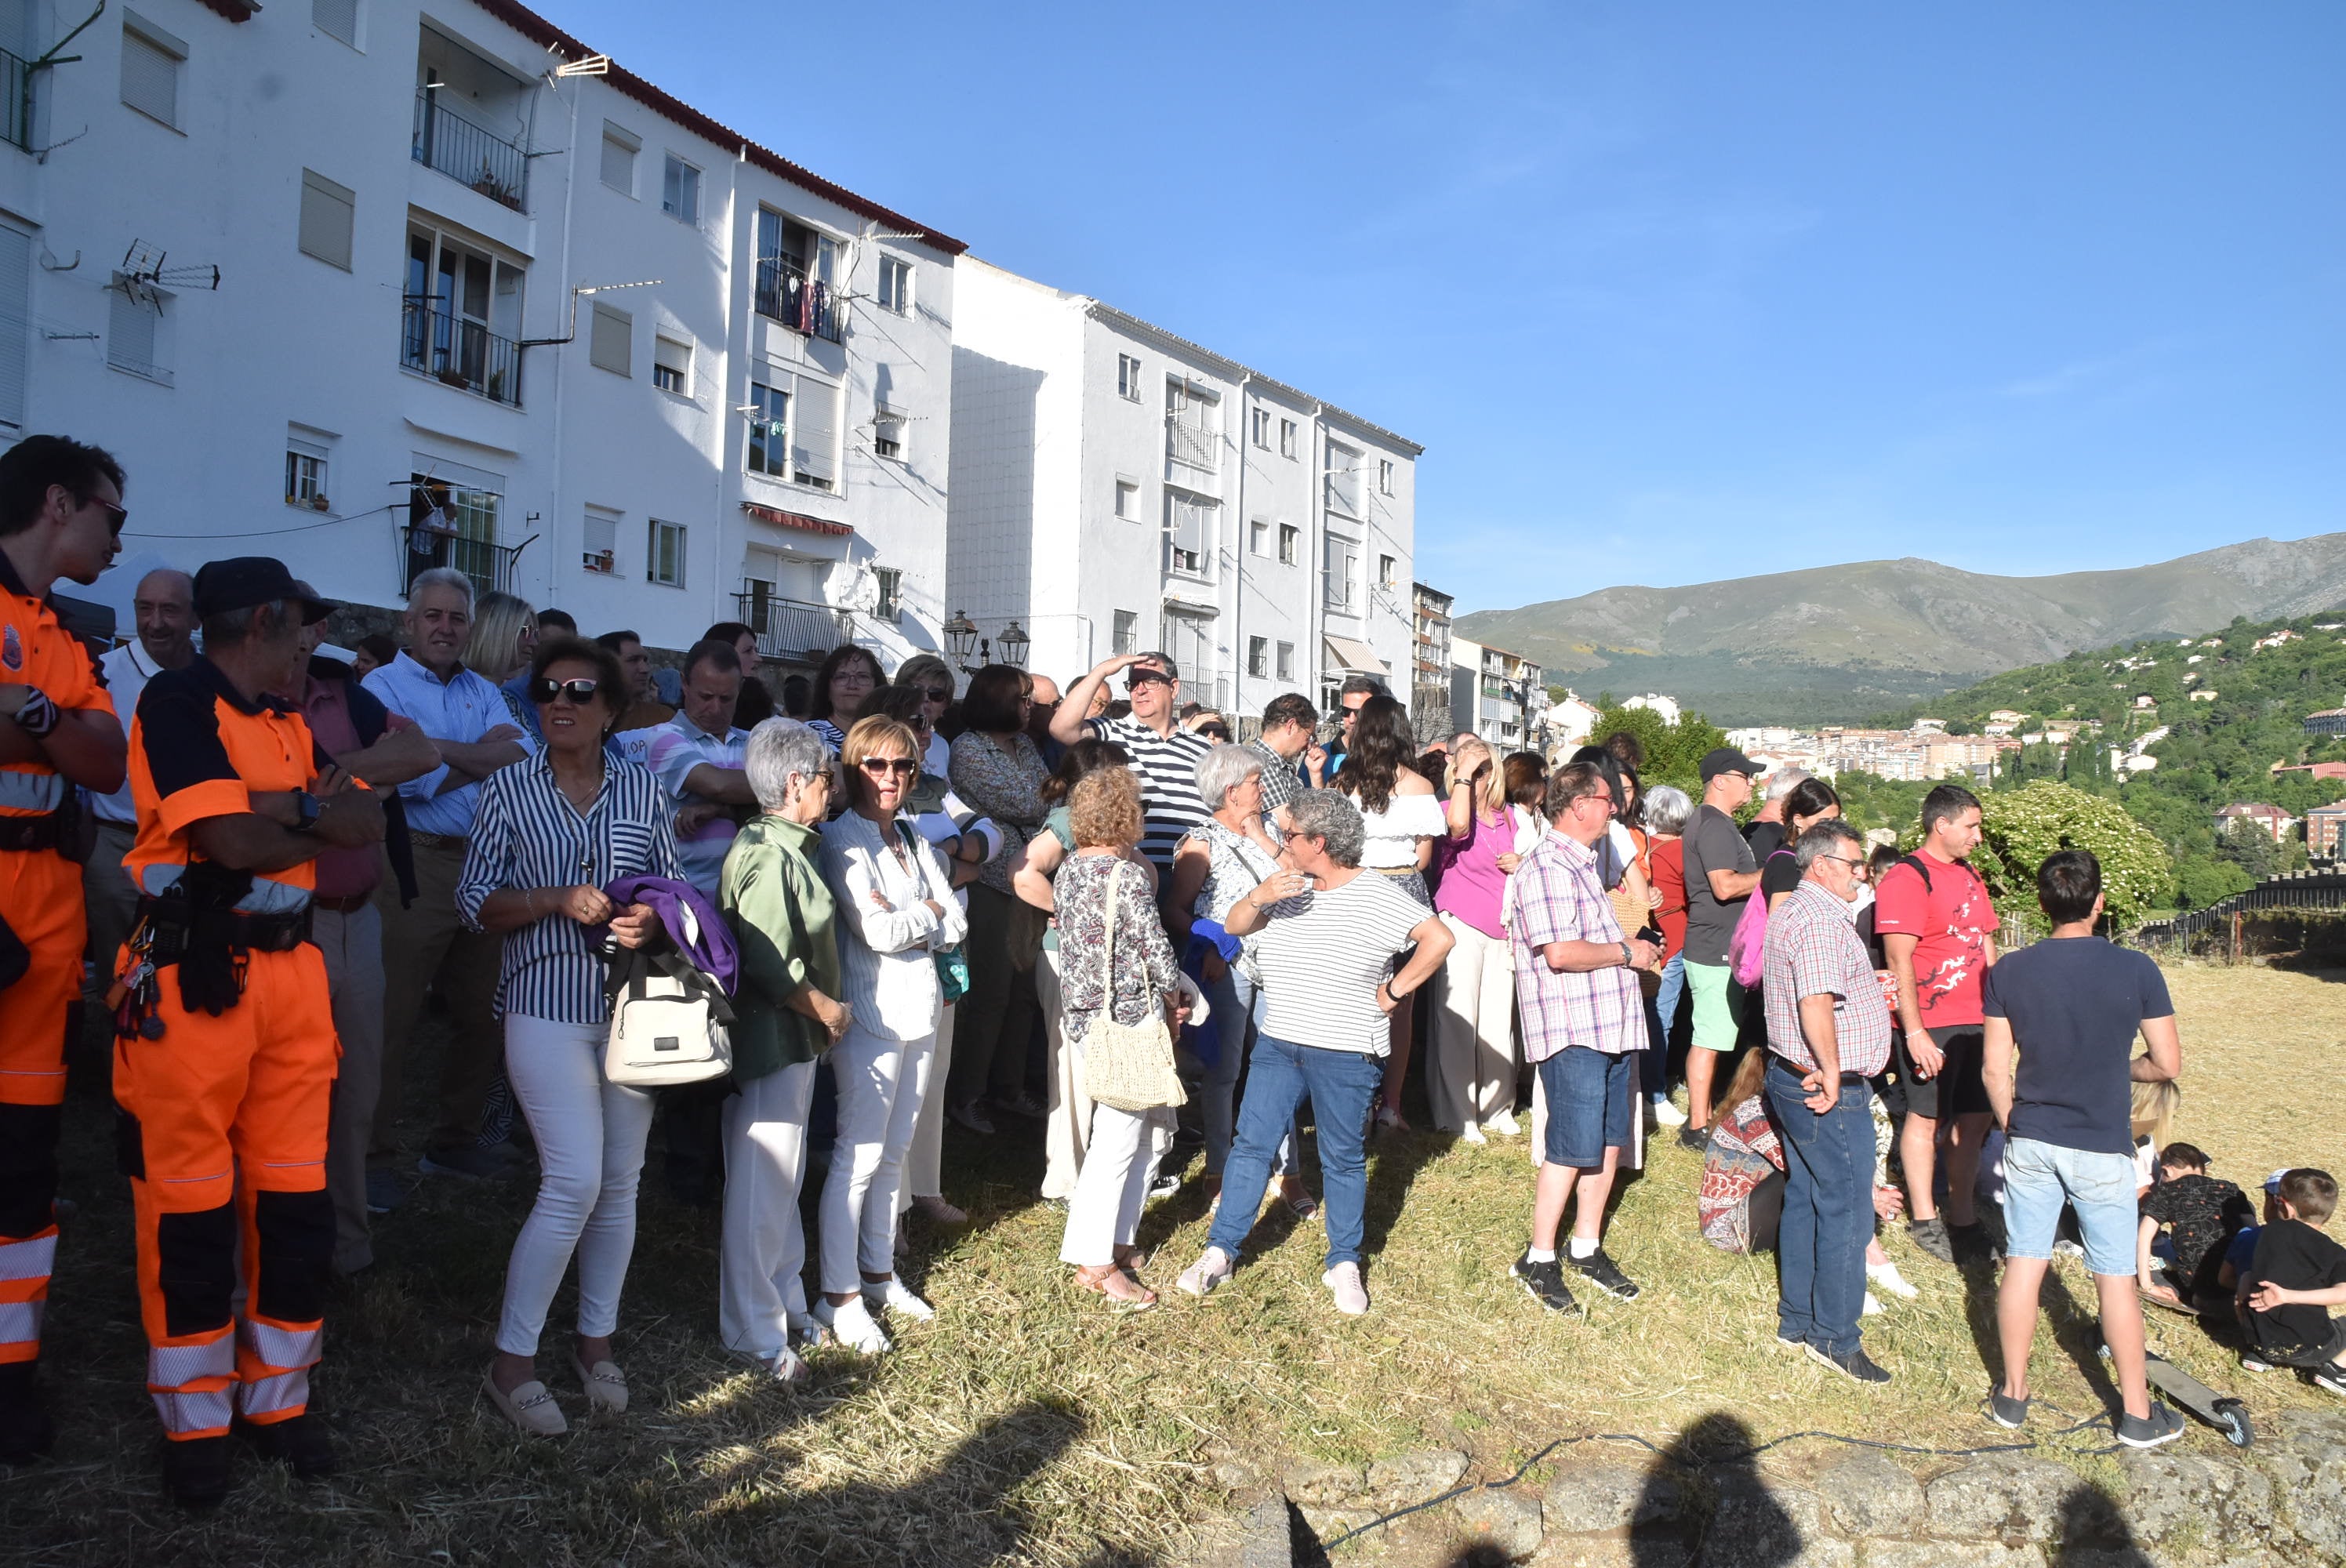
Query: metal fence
[[468, 153], [785, 293], [461, 353], [2307, 891]]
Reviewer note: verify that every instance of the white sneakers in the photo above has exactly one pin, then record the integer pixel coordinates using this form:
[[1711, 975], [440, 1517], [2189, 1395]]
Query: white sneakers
[[1343, 1282], [1211, 1269], [1666, 1115], [1887, 1277], [1504, 1123], [852, 1324], [1472, 1134], [896, 1299]]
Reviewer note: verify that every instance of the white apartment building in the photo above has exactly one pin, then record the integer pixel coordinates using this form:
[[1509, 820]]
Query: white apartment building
[[1500, 695], [324, 272], [1116, 488]]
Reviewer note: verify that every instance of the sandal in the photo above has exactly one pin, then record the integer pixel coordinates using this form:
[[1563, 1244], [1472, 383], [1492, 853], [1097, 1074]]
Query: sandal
[[1300, 1201], [1102, 1279]]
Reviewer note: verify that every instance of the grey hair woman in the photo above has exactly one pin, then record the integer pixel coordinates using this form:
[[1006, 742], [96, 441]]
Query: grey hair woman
[[787, 1015]]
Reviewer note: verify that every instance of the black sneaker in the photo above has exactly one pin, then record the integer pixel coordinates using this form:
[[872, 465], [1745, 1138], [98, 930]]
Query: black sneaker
[[1545, 1283], [1695, 1138], [1857, 1366], [1599, 1271], [26, 1429], [2162, 1425], [2331, 1378], [1931, 1235], [297, 1442], [2007, 1411], [1972, 1243], [196, 1472]]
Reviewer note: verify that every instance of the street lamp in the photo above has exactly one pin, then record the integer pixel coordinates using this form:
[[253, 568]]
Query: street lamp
[[961, 637], [1014, 646]]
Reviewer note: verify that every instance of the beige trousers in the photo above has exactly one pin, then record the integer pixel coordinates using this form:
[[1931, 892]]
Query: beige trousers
[[1474, 1076]]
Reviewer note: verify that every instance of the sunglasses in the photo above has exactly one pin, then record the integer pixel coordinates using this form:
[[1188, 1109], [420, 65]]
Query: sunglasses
[[115, 517], [1141, 677], [881, 766], [1214, 732], [545, 689], [939, 694]]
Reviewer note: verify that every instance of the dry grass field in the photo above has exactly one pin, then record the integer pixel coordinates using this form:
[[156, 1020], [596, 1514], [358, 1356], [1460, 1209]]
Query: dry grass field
[[1029, 1424]]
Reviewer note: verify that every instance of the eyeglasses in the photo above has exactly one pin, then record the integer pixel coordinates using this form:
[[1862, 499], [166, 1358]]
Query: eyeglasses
[[1141, 677], [581, 691], [881, 766], [1860, 867], [115, 517]]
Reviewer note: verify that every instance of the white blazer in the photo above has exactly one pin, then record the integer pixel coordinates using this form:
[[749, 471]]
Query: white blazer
[[886, 942]]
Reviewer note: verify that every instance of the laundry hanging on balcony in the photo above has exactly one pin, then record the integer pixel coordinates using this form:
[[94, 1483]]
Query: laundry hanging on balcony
[[806, 303]]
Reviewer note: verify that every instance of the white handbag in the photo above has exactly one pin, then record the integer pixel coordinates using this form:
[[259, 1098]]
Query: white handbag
[[671, 1023]]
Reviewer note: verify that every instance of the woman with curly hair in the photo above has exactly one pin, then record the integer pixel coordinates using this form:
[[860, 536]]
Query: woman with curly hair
[[1401, 817]]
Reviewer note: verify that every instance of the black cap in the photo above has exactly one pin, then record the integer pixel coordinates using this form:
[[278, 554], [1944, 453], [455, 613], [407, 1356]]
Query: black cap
[[243, 581], [1728, 760]]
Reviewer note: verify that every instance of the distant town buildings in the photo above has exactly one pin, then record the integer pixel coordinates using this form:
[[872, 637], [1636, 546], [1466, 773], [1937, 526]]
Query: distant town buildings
[[1925, 751], [2269, 818], [1655, 702], [2324, 826], [1500, 695], [1430, 661]]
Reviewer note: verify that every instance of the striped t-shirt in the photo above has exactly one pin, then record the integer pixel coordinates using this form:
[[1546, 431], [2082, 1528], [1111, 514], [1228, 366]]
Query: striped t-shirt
[[1321, 955], [1168, 764]]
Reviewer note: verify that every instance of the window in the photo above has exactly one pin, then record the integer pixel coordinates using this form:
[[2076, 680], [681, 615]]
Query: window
[[1127, 377], [769, 429], [1341, 480], [327, 209], [16, 329], [680, 191], [1340, 565], [134, 322], [1258, 538], [1291, 545], [797, 273], [620, 148], [1285, 661], [1125, 638], [466, 497], [1385, 479], [463, 314], [610, 342], [151, 59], [1193, 422], [665, 554], [891, 580], [887, 432], [895, 285], [672, 365], [1287, 433], [337, 19], [1189, 531], [1128, 500], [1262, 432], [814, 440], [601, 537], [1258, 656], [305, 475], [1386, 573]]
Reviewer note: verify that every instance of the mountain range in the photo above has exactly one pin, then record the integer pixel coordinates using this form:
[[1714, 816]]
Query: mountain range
[[1837, 644]]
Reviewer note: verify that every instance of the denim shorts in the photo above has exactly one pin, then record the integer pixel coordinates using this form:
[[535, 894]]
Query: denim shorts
[[1587, 1106], [2039, 1177]]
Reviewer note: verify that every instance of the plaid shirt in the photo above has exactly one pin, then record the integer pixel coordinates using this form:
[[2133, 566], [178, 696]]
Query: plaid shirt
[[1279, 782], [1559, 898], [1813, 950]]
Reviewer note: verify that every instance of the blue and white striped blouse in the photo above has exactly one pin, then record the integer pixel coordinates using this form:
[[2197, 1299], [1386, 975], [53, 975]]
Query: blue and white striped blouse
[[527, 834]]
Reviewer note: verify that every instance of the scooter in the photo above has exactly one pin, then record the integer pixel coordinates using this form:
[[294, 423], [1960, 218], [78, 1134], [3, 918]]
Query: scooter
[[2225, 1413]]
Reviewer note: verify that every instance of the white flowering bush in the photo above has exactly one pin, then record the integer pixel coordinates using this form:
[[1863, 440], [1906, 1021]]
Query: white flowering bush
[[2022, 827]]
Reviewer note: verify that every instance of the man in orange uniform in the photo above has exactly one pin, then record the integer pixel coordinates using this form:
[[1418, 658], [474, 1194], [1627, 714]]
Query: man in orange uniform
[[60, 514], [225, 1056]]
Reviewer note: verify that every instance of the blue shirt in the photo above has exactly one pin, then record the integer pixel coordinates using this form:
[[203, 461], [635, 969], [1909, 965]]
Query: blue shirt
[[2074, 1004], [518, 689], [461, 709]]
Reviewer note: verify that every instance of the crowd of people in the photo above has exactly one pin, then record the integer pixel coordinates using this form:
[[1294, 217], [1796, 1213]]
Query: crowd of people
[[1097, 922]]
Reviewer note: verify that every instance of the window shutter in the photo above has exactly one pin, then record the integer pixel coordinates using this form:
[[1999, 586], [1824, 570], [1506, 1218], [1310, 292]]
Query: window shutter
[[327, 211], [129, 332], [671, 355], [15, 325], [150, 78], [337, 19], [815, 431], [609, 344], [619, 163]]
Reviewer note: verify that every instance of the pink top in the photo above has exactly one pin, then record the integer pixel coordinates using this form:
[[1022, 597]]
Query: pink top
[[341, 874], [1471, 883]]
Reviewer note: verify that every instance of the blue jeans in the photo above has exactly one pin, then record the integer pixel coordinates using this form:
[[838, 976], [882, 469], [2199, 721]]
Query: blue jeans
[[1231, 999], [1827, 1210], [1341, 1084], [1661, 1017]]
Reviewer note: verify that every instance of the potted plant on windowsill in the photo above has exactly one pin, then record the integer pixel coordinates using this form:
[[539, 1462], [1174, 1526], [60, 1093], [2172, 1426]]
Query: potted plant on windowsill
[[318, 504], [450, 376]]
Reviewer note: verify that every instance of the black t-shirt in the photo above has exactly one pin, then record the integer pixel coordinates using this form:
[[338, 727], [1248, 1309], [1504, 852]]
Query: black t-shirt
[[1765, 839], [2294, 1256], [2073, 1004], [2203, 1211], [1780, 873], [1711, 844]]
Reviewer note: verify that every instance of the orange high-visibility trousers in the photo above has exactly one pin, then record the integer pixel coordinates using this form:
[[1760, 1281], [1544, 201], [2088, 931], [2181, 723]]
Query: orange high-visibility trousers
[[224, 1127], [40, 898]]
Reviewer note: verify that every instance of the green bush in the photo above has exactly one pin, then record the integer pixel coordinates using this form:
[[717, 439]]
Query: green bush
[[2021, 826]]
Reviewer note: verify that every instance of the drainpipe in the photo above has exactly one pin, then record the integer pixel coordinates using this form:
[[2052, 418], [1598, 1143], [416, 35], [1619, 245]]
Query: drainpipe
[[1242, 446], [555, 518]]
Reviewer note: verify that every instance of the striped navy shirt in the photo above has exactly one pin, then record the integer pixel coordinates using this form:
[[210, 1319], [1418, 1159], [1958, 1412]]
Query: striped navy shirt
[[1171, 806], [527, 834]]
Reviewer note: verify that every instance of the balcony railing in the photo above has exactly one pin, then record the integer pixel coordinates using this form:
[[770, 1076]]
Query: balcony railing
[[1194, 448], [788, 295], [459, 352], [15, 101], [1211, 687], [792, 631], [488, 564], [447, 141]]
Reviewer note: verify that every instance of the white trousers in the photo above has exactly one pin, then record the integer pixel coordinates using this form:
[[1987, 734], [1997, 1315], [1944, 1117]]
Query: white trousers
[[1104, 1212], [590, 1153], [1473, 1075], [881, 1084], [924, 1163], [762, 1255], [1068, 1109]]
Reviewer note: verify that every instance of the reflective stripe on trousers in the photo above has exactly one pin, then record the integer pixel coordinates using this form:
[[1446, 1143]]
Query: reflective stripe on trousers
[[273, 1346], [20, 1323], [280, 1394], [177, 1376], [33, 1258], [201, 1413], [22, 791]]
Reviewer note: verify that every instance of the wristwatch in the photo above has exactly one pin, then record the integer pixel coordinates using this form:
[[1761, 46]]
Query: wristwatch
[[1627, 960], [305, 808]]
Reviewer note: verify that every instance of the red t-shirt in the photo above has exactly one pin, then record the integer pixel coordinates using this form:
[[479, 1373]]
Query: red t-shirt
[[1666, 869], [1951, 921]]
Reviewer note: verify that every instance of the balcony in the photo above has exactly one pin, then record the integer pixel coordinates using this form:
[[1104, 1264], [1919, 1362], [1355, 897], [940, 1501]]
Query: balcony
[[1211, 687], [455, 147], [791, 631], [459, 352], [1192, 447], [489, 565], [789, 296]]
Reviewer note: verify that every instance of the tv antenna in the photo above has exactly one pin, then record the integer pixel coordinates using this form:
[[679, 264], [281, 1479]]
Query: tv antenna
[[591, 66], [147, 273]]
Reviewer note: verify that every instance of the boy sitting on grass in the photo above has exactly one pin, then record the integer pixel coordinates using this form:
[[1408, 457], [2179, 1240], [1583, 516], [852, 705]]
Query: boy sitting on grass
[[2297, 1276], [2203, 1212]]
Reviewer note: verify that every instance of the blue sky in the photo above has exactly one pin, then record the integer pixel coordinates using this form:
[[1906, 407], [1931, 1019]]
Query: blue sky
[[1668, 292]]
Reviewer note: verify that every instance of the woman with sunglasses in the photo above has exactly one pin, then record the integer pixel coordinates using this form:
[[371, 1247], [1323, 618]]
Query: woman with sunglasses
[[550, 833], [896, 910], [935, 680]]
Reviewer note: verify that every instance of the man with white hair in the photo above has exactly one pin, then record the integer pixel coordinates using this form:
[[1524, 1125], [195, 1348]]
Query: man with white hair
[[423, 941], [1766, 832], [164, 607]]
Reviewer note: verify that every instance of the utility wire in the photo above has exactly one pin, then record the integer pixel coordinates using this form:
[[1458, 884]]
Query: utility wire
[[266, 532]]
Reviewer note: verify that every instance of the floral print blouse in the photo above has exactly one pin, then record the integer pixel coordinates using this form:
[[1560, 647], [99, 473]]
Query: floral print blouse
[[1145, 967]]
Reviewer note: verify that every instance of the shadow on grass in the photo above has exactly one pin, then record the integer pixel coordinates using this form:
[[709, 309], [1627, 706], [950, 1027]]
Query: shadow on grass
[[2075, 1328]]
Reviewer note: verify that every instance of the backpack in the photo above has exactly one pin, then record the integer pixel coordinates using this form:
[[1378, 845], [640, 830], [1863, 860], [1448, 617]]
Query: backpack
[[1747, 949], [670, 1023]]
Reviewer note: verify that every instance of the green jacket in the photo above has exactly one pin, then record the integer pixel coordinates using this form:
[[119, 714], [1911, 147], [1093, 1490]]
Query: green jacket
[[781, 914]]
